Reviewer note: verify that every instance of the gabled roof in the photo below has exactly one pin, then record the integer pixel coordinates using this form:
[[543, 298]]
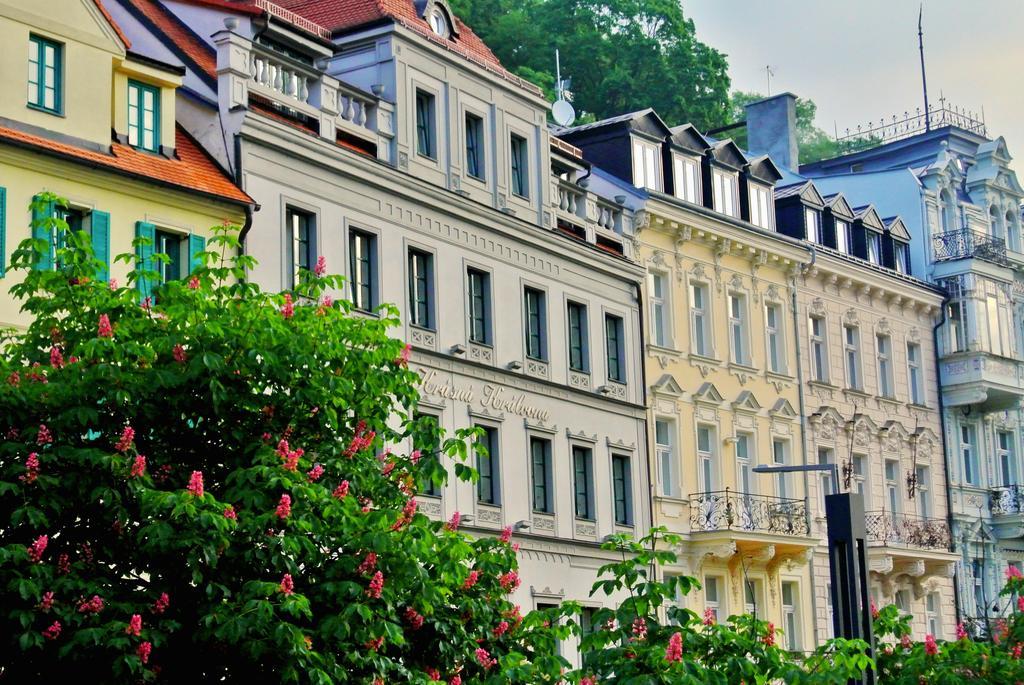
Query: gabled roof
[[729, 154], [191, 170], [113, 24], [707, 392], [746, 401], [836, 202], [896, 228], [667, 385], [763, 168], [184, 42], [782, 407], [867, 215], [689, 138], [805, 190], [644, 121]]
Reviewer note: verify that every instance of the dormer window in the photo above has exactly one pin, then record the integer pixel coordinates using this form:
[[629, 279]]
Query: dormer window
[[902, 254], [761, 206], [812, 225], [873, 243], [143, 116], [439, 22], [646, 169], [842, 236], [686, 178], [724, 188]]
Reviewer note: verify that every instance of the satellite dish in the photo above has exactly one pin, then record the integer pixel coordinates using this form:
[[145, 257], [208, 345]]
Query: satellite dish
[[563, 113]]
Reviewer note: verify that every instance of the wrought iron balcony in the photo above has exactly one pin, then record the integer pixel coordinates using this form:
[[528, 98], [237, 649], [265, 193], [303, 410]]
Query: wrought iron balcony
[[968, 244], [1006, 500], [911, 531], [728, 510]]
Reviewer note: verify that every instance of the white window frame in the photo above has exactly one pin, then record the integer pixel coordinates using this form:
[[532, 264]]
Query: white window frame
[[707, 460], [852, 358], [739, 330], [968, 436], [791, 614], [826, 455], [686, 177], [812, 225], [783, 483], [859, 479], [668, 467], [891, 474], [933, 617], [661, 310], [873, 246], [886, 381], [725, 188], [820, 367], [746, 479], [700, 316], [842, 235], [915, 383], [1006, 457], [646, 165], [923, 491], [715, 585], [761, 204], [775, 338]]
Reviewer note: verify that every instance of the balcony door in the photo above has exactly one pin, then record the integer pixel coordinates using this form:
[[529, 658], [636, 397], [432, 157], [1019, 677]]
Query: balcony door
[[745, 479]]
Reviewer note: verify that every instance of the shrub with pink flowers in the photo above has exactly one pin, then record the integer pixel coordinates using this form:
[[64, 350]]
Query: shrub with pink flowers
[[212, 558]]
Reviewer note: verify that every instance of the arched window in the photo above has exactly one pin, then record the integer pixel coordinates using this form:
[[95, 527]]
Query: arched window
[[438, 20], [995, 224], [947, 210], [1012, 231]]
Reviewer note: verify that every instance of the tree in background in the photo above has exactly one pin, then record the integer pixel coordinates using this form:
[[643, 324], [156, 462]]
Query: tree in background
[[211, 488]]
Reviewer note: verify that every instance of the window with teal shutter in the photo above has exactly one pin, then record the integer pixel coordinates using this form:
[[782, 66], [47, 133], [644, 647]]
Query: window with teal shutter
[[100, 231], [144, 256], [196, 244], [3, 231], [42, 229]]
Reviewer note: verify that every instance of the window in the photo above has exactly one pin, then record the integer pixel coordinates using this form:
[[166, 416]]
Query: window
[[645, 165], [659, 310], [76, 219], [902, 251], [874, 246], [421, 288], [842, 236], [540, 472], [914, 373], [536, 317], [439, 23], [819, 356], [700, 325], [169, 244], [431, 448], [663, 442], [902, 601], [947, 212], [789, 616], [851, 347], [760, 206], [859, 474], [583, 482], [738, 329], [723, 186], [615, 348], [967, 452], [488, 487], [931, 613], [812, 225], [362, 251], [780, 457], [707, 459], [978, 572], [426, 143], [713, 596], [479, 306], [686, 177], [923, 491], [773, 326], [299, 227], [826, 456], [143, 116], [752, 595], [893, 501], [957, 329], [1007, 466], [475, 146], [622, 490], [998, 328], [45, 74], [883, 344], [520, 167], [578, 353], [745, 480]]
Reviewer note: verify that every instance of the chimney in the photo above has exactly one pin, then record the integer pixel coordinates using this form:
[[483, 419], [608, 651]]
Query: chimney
[[771, 129]]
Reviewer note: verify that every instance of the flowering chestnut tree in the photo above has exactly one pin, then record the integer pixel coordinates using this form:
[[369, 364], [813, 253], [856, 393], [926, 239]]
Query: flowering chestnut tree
[[208, 486]]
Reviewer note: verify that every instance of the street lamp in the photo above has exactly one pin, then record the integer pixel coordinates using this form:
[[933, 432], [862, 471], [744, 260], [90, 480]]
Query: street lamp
[[847, 556]]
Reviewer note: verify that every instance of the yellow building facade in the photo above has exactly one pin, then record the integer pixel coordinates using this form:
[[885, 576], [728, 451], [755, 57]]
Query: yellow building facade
[[94, 123]]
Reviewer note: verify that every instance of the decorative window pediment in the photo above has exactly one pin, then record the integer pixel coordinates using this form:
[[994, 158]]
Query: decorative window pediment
[[439, 17], [746, 401], [708, 393], [897, 229], [783, 409], [667, 385], [839, 206]]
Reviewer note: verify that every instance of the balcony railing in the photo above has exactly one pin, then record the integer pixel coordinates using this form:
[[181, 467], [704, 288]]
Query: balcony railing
[[912, 531], [967, 244], [1008, 499], [727, 510]]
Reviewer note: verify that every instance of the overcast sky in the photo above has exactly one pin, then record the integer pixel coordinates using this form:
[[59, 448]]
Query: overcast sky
[[858, 59]]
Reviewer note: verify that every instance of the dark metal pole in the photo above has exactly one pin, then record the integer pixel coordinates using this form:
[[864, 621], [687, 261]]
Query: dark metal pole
[[924, 80], [847, 542]]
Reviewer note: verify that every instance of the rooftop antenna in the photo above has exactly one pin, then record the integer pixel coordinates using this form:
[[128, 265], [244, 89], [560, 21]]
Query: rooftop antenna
[[561, 111], [769, 72], [924, 80]]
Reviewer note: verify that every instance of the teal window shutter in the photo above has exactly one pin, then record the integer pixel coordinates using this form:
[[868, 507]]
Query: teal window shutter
[[42, 229], [101, 242], [196, 244], [3, 231], [144, 256]]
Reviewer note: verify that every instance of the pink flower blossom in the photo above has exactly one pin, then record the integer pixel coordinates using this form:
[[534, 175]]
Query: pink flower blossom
[[91, 606], [31, 468], [193, 283], [134, 625], [375, 644], [63, 564], [44, 436], [1012, 572], [905, 642], [314, 473], [289, 456], [36, 549], [453, 522], [287, 584], [47, 601], [113, 284], [288, 310], [874, 610], [361, 440], [341, 491], [961, 632], [321, 266], [126, 439], [484, 658], [509, 581], [368, 564], [674, 651], [144, 650], [415, 457], [456, 680], [179, 354], [284, 507], [500, 629], [104, 330], [195, 484], [1017, 648], [588, 680], [414, 618], [709, 617], [14, 379], [769, 639], [376, 586], [326, 302], [471, 579], [506, 535], [230, 513], [930, 647], [161, 604], [403, 357], [147, 303], [56, 358], [433, 673], [53, 632], [139, 466], [639, 628]]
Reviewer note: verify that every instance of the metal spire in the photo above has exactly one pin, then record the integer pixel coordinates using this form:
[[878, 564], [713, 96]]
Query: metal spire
[[924, 80]]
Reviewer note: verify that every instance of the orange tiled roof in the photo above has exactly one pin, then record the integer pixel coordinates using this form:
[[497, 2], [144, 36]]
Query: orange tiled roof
[[194, 47], [191, 169], [113, 24]]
